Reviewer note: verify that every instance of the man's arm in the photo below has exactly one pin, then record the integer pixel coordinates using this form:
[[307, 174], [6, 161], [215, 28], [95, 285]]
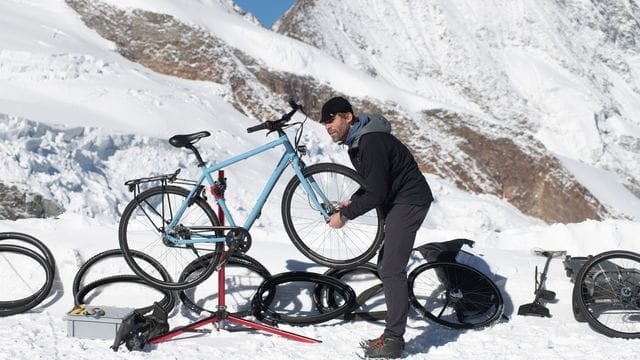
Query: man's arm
[[375, 168]]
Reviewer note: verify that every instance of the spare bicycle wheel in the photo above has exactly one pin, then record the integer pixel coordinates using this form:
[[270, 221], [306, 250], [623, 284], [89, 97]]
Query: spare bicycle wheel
[[455, 295], [365, 281], [608, 293], [31, 280], [32, 273], [80, 288], [293, 304]]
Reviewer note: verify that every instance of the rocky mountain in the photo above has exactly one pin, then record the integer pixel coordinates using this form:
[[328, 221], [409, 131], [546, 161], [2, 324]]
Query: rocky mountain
[[501, 96], [18, 204], [565, 74]]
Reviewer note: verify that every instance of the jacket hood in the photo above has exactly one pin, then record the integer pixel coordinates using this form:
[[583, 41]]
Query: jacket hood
[[377, 123]]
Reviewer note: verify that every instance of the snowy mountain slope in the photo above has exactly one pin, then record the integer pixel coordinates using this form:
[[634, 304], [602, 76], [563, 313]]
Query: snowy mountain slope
[[567, 69], [242, 83], [78, 120], [253, 87]]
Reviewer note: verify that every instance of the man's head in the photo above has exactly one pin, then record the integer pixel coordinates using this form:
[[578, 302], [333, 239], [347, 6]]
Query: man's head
[[337, 118]]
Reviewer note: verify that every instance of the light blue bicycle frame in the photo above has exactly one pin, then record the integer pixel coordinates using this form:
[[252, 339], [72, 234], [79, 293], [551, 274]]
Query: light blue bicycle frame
[[289, 157]]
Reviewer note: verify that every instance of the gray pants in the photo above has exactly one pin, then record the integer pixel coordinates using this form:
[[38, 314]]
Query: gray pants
[[401, 225]]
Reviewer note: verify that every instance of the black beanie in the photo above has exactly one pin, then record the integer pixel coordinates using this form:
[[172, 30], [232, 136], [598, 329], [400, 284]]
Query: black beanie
[[335, 105]]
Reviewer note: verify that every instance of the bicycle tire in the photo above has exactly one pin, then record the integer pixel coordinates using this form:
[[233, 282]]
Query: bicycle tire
[[324, 297], [49, 262], [352, 245], [362, 298], [455, 295], [35, 256], [142, 228], [608, 291], [167, 303], [77, 280], [262, 307], [234, 260], [18, 306], [33, 241]]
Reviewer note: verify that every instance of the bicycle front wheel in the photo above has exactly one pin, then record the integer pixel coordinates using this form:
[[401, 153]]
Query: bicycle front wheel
[[455, 295], [352, 245], [607, 288], [143, 228]]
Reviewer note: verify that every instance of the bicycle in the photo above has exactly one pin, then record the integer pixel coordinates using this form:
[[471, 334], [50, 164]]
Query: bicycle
[[176, 226]]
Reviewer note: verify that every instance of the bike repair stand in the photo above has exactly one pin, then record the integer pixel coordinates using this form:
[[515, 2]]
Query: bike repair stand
[[222, 315]]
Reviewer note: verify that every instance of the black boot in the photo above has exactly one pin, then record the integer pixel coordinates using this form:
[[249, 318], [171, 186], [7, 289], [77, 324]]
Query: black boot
[[385, 347]]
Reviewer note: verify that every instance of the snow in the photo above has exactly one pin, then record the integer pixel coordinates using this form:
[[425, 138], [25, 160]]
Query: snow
[[41, 333], [554, 63], [604, 185], [77, 120]]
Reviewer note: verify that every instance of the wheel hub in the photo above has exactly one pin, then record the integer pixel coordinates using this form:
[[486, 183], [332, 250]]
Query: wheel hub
[[456, 294], [180, 231]]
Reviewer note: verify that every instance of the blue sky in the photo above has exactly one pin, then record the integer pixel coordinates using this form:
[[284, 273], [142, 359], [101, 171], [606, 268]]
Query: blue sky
[[267, 11]]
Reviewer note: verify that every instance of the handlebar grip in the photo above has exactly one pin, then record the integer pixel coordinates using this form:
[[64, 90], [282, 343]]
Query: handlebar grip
[[257, 127]]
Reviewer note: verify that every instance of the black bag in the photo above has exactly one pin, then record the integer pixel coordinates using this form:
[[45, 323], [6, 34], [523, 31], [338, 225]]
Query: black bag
[[137, 329], [443, 251]]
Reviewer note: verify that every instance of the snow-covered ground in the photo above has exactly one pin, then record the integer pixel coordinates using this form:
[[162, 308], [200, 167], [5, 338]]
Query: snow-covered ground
[[77, 120], [42, 333]]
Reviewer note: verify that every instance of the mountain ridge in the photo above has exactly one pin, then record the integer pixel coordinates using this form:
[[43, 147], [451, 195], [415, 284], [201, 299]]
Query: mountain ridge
[[460, 142]]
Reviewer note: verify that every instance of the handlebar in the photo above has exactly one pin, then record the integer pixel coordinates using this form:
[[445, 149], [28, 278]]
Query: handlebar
[[278, 124]]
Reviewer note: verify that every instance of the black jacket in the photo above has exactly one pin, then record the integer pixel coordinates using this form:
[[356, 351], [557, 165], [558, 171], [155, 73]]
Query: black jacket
[[391, 173]]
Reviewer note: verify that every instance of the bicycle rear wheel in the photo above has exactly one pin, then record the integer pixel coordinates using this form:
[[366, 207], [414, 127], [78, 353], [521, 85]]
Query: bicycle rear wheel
[[355, 243], [142, 228], [608, 293], [455, 295]]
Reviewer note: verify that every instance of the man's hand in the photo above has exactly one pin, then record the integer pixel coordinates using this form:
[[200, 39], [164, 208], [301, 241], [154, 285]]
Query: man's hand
[[335, 221]]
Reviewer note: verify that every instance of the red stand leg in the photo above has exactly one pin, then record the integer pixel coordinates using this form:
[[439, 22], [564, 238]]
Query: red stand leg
[[222, 314]]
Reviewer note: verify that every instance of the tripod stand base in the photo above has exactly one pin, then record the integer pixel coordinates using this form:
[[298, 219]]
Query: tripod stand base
[[250, 324]]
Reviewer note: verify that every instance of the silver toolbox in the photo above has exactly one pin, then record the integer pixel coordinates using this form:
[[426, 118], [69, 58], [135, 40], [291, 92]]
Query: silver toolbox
[[97, 325]]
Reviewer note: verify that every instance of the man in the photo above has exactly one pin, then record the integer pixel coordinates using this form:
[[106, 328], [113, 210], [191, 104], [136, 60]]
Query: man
[[394, 182]]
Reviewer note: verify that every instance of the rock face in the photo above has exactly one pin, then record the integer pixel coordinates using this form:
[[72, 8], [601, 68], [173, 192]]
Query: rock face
[[515, 167], [500, 158], [17, 204]]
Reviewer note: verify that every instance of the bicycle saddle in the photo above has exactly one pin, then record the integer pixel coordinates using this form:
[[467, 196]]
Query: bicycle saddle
[[188, 139]]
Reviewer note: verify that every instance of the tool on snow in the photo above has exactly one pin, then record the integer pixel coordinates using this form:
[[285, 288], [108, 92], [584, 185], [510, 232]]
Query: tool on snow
[[536, 308]]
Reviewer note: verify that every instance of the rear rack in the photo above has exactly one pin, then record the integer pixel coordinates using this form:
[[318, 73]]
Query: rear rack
[[134, 184]]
